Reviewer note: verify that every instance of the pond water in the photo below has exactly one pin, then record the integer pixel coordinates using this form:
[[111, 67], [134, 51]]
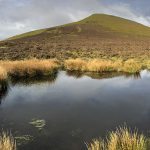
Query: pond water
[[64, 112]]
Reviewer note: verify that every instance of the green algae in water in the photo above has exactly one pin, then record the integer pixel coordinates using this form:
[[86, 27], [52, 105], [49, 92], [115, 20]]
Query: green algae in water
[[22, 140], [37, 123]]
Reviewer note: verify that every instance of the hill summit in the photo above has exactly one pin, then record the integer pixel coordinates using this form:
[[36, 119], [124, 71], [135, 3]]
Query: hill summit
[[98, 35]]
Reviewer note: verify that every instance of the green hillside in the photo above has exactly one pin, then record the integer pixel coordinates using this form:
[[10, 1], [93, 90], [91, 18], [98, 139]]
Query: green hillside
[[106, 22], [97, 36], [117, 24], [28, 34]]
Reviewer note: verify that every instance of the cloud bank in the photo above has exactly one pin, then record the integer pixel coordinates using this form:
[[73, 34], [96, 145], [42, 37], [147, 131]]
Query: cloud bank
[[19, 16]]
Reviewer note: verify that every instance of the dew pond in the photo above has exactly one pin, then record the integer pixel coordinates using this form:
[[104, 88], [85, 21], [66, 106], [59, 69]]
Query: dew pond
[[67, 110]]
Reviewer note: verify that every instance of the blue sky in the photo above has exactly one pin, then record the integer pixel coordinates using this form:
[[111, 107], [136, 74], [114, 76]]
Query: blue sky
[[19, 16]]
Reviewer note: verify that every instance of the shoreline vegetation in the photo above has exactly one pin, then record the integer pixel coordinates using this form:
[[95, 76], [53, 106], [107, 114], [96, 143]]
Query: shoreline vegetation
[[98, 65], [121, 139], [27, 68], [7, 141], [47, 67]]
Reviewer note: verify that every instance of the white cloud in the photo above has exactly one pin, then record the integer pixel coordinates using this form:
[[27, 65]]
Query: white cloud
[[25, 15]]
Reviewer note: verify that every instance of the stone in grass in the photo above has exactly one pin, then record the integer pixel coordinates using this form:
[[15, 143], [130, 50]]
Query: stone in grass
[[37, 123]]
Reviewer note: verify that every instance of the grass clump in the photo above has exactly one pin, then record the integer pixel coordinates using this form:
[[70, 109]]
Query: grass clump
[[7, 142], [103, 65], [94, 65], [3, 74], [131, 66], [98, 65], [75, 64], [30, 68], [122, 139]]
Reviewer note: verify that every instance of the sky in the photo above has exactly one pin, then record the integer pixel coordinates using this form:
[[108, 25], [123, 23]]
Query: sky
[[19, 16]]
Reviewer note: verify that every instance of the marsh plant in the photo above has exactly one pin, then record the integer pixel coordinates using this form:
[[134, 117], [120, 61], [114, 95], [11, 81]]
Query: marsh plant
[[97, 65], [3, 74], [7, 142], [27, 68], [122, 139]]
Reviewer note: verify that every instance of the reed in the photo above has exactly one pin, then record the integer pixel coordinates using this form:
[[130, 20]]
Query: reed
[[122, 139], [7, 142]]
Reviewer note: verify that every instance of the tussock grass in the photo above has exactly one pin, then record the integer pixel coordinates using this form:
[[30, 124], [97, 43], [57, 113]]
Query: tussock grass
[[29, 67], [75, 64], [121, 139], [7, 142], [132, 66], [147, 64], [3, 74], [96, 65]]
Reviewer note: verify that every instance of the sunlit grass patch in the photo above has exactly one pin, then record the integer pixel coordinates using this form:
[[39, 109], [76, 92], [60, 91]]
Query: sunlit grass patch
[[99, 65], [7, 142], [3, 74], [30, 67], [131, 66], [75, 64], [93, 65], [122, 139]]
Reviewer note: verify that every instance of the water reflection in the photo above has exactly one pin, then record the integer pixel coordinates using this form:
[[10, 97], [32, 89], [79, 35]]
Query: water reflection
[[35, 80], [76, 108], [3, 91], [103, 75], [135, 75]]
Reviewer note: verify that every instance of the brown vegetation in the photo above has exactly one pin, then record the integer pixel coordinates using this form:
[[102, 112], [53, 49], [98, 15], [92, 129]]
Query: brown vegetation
[[28, 68], [121, 139], [7, 142], [3, 74], [97, 65], [94, 37]]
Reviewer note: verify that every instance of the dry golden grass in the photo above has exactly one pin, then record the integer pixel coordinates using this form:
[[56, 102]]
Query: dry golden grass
[[97, 65], [3, 74], [147, 64], [121, 139], [131, 66], [29, 67], [75, 64], [94, 65], [103, 65], [7, 142]]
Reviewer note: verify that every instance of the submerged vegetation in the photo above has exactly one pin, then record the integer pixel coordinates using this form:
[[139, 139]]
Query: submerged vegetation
[[7, 142], [121, 139]]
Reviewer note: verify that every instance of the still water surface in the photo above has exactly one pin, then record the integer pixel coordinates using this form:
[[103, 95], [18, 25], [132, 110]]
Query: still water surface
[[75, 108]]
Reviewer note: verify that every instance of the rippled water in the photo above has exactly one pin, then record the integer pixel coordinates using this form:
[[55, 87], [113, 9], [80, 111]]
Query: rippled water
[[74, 107]]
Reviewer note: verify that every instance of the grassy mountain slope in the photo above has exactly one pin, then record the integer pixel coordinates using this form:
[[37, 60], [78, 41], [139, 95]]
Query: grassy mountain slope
[[107, 22], [117, 24], [98, 35], [28, 34]]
